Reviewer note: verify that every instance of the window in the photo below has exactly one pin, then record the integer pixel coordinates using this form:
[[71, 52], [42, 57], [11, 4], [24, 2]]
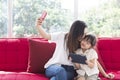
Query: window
[[19, 16]]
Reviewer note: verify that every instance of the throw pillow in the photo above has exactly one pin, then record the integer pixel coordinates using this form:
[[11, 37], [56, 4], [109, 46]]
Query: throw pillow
[[40, 52]]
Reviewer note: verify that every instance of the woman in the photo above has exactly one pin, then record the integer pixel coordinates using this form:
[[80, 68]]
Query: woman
[[59, 67]]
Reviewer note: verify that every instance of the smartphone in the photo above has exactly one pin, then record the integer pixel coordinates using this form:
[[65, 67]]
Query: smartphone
[[44, 13]]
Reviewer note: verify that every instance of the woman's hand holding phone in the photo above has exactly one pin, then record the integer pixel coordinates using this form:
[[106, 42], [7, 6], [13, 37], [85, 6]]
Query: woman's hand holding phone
[[41, 19]]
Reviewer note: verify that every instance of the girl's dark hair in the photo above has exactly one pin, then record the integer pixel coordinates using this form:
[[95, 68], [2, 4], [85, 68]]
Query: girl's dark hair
[[90, 38], [76, 32]]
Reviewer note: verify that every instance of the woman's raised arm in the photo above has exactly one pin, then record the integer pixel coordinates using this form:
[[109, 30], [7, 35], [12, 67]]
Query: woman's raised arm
[[41, 30]]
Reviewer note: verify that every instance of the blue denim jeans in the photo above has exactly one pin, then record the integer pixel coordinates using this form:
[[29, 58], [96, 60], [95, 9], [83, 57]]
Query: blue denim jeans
[[55, 72]]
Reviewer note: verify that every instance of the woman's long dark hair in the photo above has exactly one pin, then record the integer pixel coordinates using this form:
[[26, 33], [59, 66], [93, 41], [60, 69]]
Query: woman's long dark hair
[[76, 32]]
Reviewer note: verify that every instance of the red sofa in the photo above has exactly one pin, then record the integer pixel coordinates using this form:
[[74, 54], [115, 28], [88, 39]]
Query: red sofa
[[15, 55]]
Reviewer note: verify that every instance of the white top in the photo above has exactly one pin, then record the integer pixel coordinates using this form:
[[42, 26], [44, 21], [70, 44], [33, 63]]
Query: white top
[[60, 55], [90, 54]]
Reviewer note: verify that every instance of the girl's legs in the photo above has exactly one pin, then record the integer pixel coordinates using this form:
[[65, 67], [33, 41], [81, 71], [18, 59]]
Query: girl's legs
[[55, 72], [93, 77], [81, 78]]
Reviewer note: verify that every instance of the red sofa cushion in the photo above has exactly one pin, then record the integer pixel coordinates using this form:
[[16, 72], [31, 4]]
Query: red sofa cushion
[[109, 50], [40, 53], [13, 54]]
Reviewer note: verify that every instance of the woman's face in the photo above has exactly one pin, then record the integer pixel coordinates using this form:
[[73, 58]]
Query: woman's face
[[85, 32]]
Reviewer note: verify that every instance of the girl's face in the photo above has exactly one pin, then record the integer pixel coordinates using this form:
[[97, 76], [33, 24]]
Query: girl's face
[[85, 44]]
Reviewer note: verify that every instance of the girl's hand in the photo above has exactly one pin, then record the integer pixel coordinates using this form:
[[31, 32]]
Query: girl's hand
[[110, 76], [87, 61]]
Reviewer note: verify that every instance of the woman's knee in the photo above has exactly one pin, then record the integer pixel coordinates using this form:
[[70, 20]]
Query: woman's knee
[[55, 70], [60, 70]]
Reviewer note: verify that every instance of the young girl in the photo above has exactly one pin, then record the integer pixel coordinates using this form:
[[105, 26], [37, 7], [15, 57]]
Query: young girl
[[88, 71]]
